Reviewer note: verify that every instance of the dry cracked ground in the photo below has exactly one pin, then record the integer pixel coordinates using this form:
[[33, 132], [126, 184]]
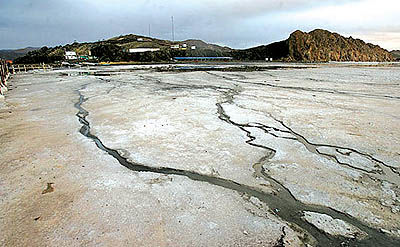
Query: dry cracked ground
[[195, 155]]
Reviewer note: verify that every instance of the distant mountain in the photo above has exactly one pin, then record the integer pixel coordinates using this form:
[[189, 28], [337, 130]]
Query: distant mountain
[[396, 54], [116, 49], [317, 46], [13, 54]]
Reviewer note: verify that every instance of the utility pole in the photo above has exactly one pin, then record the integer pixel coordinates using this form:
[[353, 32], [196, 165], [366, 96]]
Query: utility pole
[[173, 34]]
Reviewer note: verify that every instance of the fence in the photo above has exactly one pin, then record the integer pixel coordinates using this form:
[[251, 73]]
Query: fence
[[27, 67], [4, 75]]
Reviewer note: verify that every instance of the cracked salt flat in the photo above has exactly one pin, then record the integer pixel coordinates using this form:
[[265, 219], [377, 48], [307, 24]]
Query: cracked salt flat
[[171, 120]]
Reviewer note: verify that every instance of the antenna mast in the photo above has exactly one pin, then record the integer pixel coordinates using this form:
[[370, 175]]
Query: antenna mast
[[173, 34]]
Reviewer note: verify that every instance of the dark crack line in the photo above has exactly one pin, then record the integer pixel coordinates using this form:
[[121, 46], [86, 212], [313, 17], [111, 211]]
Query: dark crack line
[[174, 86], [265, 159], [332, 91], [313, 148], [317, 90], [108, 81], [186, 69], [305, 142], [281, 240], [235, 80], [169, 86], [270, 152]]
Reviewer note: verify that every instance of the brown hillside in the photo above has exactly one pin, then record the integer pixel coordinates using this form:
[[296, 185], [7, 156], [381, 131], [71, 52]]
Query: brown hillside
[[322, 45]]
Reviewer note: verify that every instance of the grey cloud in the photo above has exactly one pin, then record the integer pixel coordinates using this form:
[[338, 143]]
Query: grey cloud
[[237, 23]]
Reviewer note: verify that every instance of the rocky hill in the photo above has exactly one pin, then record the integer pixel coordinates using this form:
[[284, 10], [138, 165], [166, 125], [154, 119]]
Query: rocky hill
[[318, 46], [322, 45]]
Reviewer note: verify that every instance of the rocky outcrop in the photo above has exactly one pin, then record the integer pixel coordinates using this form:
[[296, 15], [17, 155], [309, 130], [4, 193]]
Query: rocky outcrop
[[317, 46], [321, 45]]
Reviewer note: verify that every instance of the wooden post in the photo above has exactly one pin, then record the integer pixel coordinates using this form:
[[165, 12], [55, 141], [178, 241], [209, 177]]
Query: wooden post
[[4, 74], [1, 77]]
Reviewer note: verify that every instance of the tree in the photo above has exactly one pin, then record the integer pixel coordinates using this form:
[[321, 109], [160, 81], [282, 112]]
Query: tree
[[108, 52]]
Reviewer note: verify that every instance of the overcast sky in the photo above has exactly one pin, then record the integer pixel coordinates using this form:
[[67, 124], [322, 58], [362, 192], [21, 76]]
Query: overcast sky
[[235, 23]]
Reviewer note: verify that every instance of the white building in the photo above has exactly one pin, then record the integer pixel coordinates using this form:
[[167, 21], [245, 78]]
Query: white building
[[70, 55], [193, 47], [140, 50], [174, 46]]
